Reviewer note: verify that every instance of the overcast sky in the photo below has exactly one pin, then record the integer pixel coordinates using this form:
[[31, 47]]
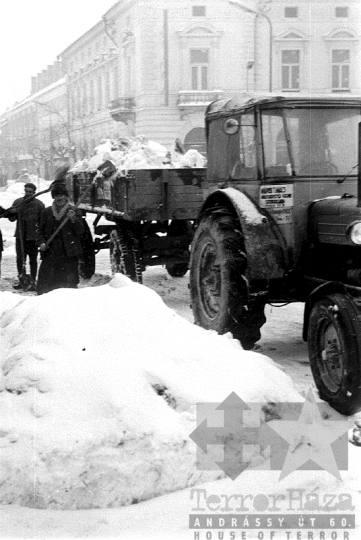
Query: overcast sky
[[33, 33]]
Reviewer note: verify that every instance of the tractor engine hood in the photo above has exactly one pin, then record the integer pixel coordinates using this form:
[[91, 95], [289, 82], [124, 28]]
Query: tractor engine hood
[[335, 220]]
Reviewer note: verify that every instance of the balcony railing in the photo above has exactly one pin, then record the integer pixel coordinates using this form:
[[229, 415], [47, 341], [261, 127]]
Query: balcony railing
[[122, 109], [188, 99]]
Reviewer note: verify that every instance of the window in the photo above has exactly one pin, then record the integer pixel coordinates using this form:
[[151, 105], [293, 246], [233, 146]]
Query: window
[[240, 146], [78, 101], [100, 92], [276, 156], [128, 74], [247, 152], [290, 70], [83, 100], [73, 102], [340, 69], [323, 142], [129, 63], [291, 12], [199, 59], [107, 87], [91, 95], [341, 12], [199, 11]]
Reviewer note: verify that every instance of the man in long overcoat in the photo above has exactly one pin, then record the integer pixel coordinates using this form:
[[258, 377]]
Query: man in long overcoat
[[26, 211], [60, 254]]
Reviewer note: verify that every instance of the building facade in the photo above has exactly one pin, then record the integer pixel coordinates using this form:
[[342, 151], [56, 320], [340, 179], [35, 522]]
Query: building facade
[[317, 46], [155, 65], [151, 67], [34, 132]]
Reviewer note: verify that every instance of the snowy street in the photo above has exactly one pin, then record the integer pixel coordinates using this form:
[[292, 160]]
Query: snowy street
[[281, 335], [98, 394], [166, 169]]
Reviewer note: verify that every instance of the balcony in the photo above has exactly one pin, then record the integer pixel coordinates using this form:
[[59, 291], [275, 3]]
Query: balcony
[[122, 109], [197, 100]]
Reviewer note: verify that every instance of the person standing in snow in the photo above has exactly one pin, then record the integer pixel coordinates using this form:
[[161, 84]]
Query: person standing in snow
[[60, 254], [26, 211], [2, 210]]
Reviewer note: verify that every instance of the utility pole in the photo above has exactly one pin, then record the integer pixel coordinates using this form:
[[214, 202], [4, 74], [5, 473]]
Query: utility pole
[[257, 12]]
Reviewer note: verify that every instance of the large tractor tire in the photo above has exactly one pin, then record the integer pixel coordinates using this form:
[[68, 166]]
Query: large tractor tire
[[124, 255], [219, 288], [334, 343]]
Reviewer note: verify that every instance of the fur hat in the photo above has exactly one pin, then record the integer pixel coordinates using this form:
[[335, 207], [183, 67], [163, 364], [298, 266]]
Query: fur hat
[[30, 185], [59, 189]]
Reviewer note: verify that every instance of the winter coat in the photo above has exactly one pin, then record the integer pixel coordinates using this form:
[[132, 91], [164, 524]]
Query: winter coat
[[2, 210], [29, 213], [70, 233]]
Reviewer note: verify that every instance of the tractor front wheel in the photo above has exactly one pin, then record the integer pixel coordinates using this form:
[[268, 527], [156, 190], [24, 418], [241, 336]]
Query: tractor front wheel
[[334, 342]]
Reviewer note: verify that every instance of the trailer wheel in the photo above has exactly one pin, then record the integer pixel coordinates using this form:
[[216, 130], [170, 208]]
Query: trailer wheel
[[334, 342], [179, 227], [219, 288], [87, 258], [177, 269], [124, 255]]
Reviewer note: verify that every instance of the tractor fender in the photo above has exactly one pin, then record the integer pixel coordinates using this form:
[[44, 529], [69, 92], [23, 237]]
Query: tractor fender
[[319, 292], [265, 246]]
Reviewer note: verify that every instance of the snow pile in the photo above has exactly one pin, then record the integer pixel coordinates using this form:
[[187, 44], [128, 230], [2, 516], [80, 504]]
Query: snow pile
[[140, 153], [97, 395]]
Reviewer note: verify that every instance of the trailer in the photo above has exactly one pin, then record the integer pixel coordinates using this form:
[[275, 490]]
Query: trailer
[[149, 214]]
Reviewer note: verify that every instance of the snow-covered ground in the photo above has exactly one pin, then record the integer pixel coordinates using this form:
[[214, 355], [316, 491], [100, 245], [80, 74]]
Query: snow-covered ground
[[98, 388]]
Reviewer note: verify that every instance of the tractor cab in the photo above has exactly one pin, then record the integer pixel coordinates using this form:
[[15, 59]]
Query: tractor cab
[[285, 153]]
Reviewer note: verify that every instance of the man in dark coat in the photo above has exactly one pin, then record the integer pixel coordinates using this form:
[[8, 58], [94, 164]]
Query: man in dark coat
[[27, 211], [2, 210], [60, 254]]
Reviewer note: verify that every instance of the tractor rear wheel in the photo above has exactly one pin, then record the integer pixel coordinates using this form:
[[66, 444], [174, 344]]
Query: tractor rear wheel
[[218, 285]]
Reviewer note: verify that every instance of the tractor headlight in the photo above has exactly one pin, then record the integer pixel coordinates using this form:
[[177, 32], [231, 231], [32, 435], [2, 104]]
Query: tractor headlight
[[354, 232]]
